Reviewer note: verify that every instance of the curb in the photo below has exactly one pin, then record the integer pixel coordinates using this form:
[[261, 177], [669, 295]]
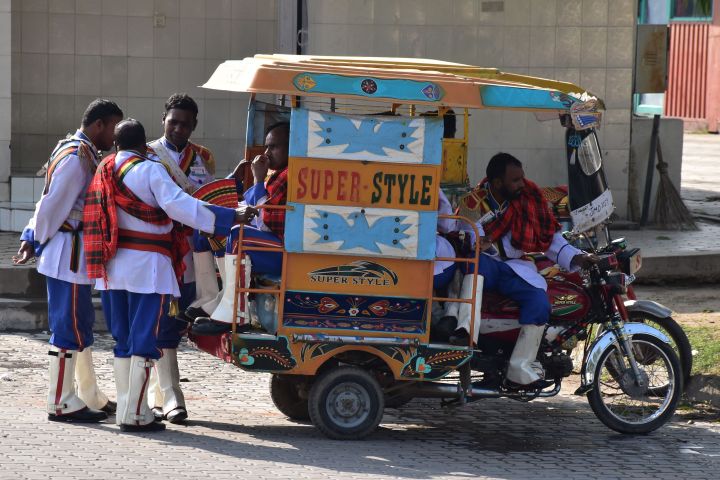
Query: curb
[[700, 268], [26, 315], [704, 389]]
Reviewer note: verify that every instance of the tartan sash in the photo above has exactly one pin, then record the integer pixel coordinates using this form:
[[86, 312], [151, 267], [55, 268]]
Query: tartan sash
[[108, 192], [528, 218]]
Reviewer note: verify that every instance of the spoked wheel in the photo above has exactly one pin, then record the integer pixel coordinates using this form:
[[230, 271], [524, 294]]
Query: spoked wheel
[[678, 338], [286, 394], [640, 404], [346, 403]]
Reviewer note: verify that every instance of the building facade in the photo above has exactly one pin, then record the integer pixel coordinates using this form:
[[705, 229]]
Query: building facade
[[60, 54]]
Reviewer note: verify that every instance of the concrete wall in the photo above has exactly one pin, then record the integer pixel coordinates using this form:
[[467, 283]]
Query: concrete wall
[[588, 42], [137, 52], [67, 52], [5, 101], [670, 136]]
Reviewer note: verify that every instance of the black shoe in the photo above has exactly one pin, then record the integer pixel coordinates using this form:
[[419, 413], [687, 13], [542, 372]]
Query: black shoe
[[193, 313], [443, 329], [460, 338], [534, 386], [177, 415], [158, 414], [150, 427], [84, 415], [110, 407], [207, 326]]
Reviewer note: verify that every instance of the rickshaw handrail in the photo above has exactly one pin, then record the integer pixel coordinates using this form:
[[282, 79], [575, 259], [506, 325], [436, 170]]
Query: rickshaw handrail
[[475, 261]]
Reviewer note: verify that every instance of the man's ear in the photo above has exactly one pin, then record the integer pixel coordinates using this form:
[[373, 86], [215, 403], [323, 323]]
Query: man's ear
[[195, 122]]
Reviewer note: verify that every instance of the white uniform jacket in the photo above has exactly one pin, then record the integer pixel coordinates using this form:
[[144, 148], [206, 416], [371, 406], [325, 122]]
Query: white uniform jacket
[[64, 200], [151, 272], [198, 176]]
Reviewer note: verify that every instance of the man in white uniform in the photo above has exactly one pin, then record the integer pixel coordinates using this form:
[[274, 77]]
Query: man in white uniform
[[191, 166], [136, 252], [54, 235]]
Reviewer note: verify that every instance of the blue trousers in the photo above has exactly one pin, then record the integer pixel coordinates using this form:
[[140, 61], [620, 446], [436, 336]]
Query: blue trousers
[[443, 278], [134, 321], [500, 278], [262, 262], [70, 314], [171, 329]]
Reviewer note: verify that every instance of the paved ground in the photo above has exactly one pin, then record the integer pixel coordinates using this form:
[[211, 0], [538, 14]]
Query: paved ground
[[235, 432]]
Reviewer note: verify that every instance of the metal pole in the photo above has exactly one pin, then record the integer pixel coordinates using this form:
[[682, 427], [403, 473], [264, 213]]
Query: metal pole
[[650, 170]]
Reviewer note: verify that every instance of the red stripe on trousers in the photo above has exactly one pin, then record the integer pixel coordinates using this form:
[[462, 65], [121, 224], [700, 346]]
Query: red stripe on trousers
[[142, 393], [80, 343], [59, 386]]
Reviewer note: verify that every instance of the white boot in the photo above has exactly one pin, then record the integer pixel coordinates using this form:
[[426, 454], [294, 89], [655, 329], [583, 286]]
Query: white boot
[[121, 366], [63, 403], [224, 310], [154, 393], [168, 388], [212, 304], [87, 387], [464, 309], [206, 286], [523, 368], [135, 414]]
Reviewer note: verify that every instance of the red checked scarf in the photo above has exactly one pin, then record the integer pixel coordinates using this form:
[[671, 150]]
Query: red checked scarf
[[276, 187], [106, 193], [529, 219]]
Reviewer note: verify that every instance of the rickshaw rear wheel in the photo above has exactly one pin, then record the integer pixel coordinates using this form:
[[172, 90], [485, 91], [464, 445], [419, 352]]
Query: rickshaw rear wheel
[[285, 394], [346, 403]]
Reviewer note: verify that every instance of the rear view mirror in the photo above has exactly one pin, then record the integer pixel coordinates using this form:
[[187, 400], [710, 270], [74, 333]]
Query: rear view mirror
[[589, 155]]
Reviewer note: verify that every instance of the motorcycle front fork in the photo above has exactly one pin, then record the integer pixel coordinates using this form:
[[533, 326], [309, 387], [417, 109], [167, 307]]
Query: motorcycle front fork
[[615, 325]]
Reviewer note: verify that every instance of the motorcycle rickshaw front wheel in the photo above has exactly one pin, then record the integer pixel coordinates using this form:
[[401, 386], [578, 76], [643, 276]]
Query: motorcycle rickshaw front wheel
[[346, 403], [628, 404]]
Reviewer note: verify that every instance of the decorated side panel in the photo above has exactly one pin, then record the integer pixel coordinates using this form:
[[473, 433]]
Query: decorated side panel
[[358, 275], [363, 184], [406, 140], [354, 230]]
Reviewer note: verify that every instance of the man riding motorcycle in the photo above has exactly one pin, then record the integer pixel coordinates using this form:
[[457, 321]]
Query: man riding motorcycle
[[513, 219]]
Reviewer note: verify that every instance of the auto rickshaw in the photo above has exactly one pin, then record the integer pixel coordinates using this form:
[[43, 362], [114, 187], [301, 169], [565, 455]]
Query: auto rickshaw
[[347, 326]]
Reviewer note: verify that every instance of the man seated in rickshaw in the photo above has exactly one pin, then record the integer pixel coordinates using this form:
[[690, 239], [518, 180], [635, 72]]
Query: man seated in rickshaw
[[267, 229], [513, 219]]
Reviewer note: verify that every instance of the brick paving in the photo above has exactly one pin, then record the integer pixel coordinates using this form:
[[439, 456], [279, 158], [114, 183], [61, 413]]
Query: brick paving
[[235, 432]]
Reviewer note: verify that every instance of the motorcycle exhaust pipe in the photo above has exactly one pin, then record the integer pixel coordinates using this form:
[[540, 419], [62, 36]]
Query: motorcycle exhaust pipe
[[447, 390]]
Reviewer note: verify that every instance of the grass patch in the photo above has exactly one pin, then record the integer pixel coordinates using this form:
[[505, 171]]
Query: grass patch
[[706, 341]]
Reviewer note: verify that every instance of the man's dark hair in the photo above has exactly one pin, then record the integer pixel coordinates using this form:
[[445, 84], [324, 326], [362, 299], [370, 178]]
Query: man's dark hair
[[498, 165], [130, 135], [100, 109], [181, 101], [285, 125]]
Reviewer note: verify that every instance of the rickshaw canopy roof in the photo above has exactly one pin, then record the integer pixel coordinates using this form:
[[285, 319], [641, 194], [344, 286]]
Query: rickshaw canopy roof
[[400, 81]]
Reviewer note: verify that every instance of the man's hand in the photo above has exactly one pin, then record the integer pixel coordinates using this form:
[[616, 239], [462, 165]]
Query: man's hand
[[245, 214], [239, 168], [260, 167], [585, 260], [485, 243], [25, 253]]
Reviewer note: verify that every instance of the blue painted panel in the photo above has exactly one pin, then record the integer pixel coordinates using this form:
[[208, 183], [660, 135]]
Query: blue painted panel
[[380, 232], [426, 231], [294, 220], [412, 140], [298, 133], [519, 97], [398, 89]]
